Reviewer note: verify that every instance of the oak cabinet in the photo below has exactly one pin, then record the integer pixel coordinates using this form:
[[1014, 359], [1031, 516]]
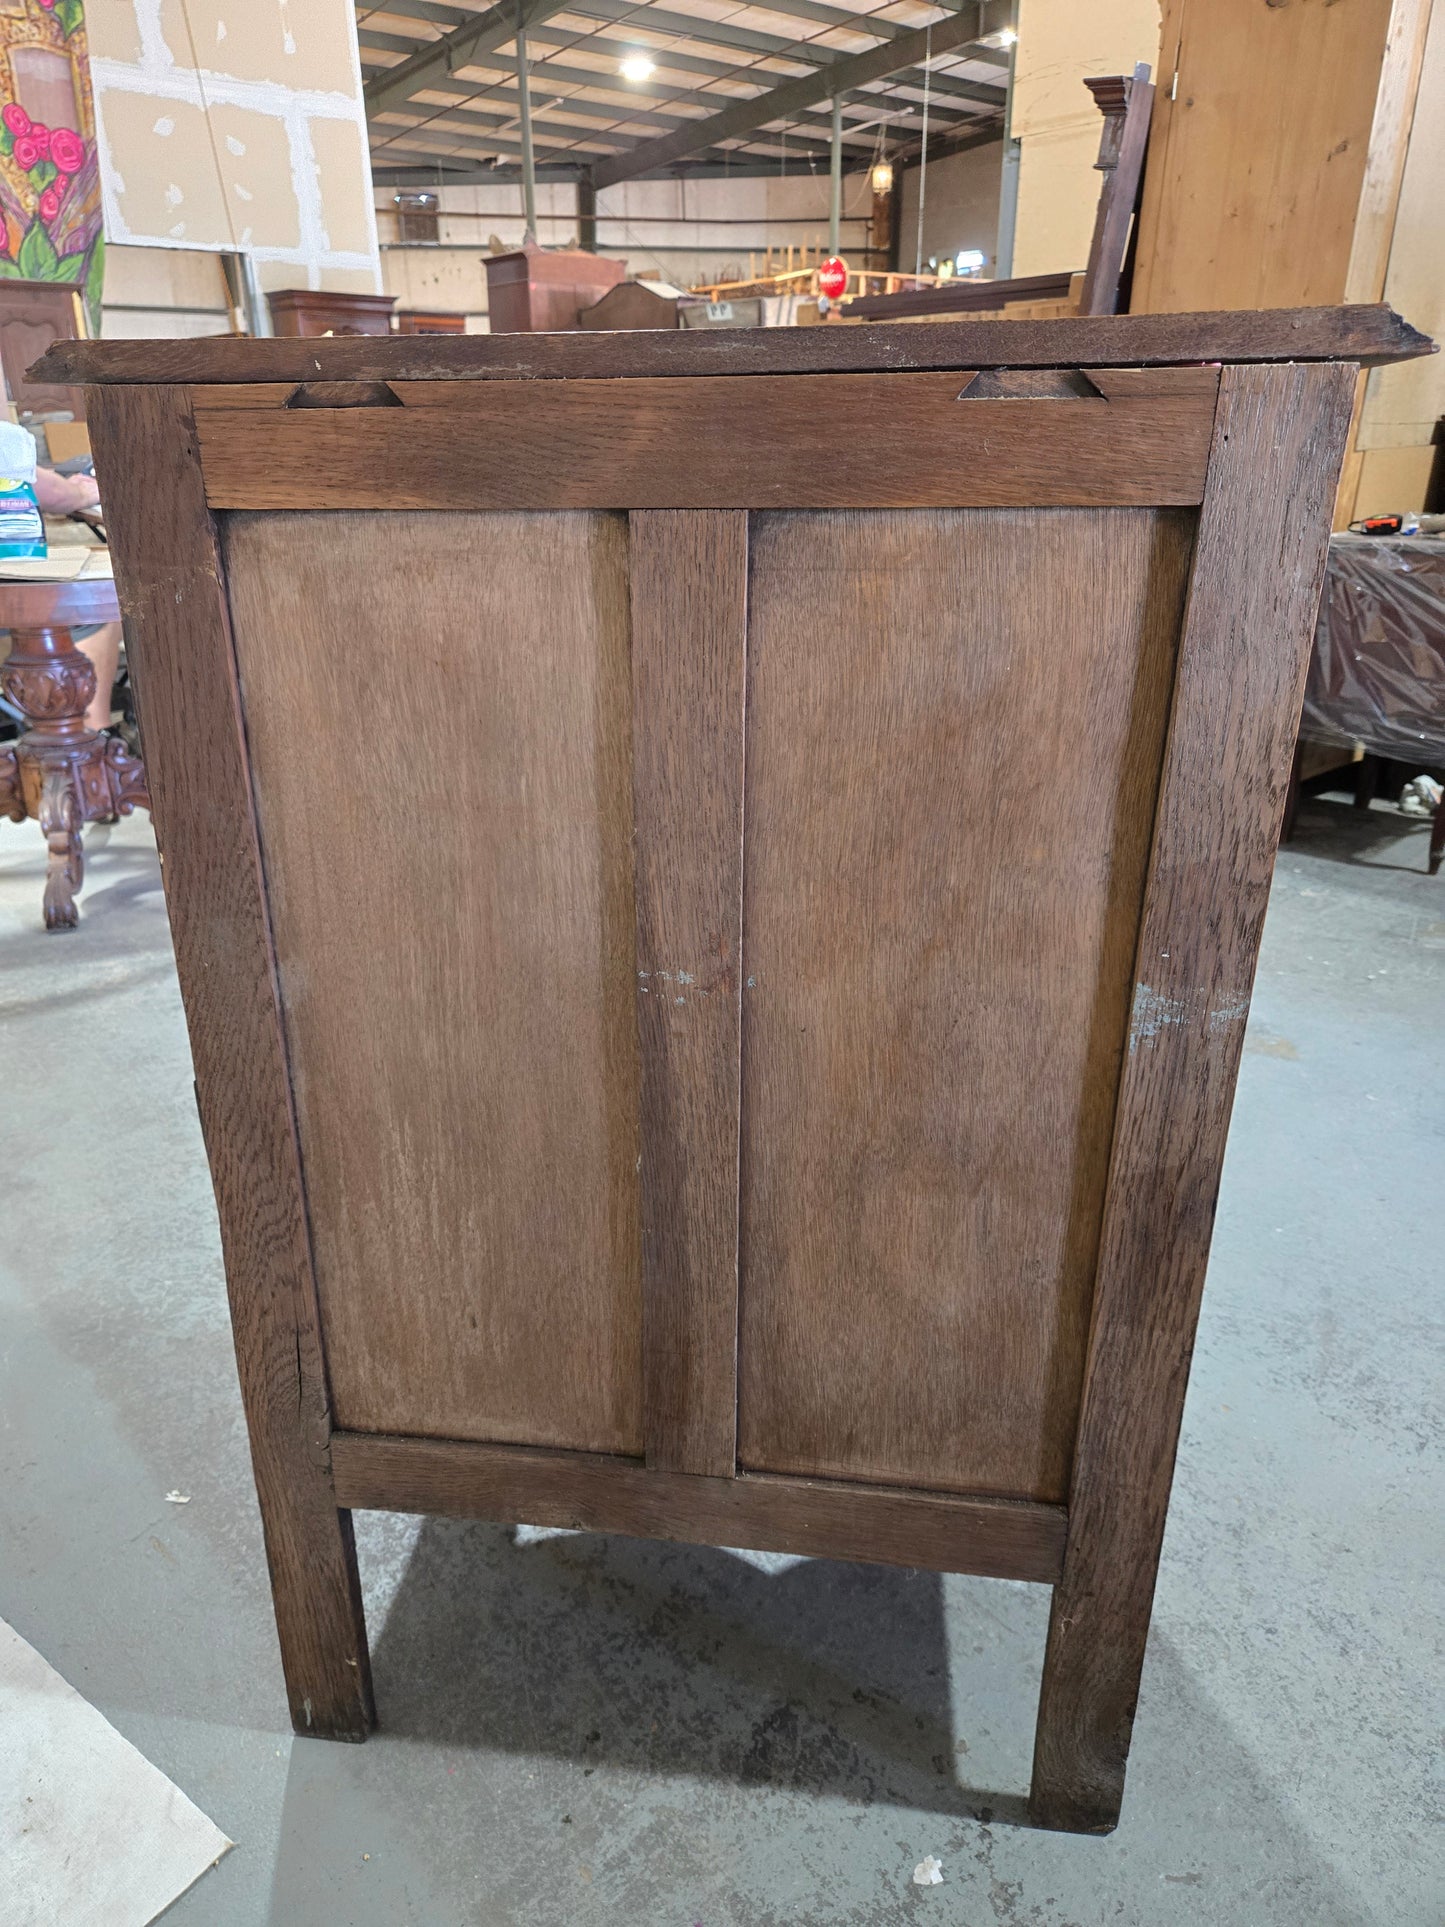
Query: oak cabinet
[[661, 1075]]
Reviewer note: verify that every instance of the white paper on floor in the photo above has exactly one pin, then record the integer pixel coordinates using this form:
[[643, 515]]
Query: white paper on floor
[[91, 1834], [771, 1563]]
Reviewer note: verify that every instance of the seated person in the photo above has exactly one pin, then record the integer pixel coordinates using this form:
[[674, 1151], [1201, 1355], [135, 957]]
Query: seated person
[[63, 495]]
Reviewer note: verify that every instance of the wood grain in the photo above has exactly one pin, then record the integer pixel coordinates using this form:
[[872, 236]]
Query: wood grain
[[1253, 183], [955, 726], [1369, 334], [756, 441], [689, 638], [995, 1537], [1389, 145], [180, 651], [453, 905], [1245, 648]]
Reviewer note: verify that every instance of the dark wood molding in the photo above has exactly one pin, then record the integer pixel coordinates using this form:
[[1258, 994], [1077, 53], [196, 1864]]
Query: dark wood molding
[[1001, 1538], [959, 297], [1368, 333], [1127, 104]]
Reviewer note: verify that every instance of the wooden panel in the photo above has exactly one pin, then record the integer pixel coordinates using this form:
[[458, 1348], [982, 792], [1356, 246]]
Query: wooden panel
[[1253, 185], [1243, 655], [33, 315], [453, 906], [1367, 334], [997, 1537], [811, 441], [689, 635], [955, 724], [1372, 242], [179, 648]]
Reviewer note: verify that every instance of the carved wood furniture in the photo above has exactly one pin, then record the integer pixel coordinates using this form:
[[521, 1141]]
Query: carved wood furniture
[[32, 315], [631, 305], [1127, 104], [427, 321], [768, 1142], [60, 771], [533, 290], [321, 311]]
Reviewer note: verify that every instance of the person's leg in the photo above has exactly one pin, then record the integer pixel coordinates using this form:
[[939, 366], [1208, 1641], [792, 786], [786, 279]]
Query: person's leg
[[102, 646]]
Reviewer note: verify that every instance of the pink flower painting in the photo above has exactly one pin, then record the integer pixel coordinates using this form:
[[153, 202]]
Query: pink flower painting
[[67, 150], [50, 224]]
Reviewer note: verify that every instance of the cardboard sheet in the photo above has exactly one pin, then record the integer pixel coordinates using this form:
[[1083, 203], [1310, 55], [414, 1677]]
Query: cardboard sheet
[[91, 1834]]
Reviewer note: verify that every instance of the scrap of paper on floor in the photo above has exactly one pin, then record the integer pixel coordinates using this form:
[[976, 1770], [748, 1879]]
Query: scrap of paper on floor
[[91, 1834]]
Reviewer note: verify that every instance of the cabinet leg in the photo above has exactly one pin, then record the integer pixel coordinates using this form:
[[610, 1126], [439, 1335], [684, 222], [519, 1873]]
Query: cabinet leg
[[60, 820], [1086, 1716], [319, 1620]]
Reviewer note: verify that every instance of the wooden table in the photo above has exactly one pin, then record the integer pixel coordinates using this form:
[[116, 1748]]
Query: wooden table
[[704, 1111], [60, 771]]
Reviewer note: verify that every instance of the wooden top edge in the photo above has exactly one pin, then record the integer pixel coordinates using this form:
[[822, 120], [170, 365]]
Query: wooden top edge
[[1368, 334]]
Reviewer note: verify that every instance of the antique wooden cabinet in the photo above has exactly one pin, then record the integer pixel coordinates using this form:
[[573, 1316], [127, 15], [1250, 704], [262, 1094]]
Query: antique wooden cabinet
[[316, 312], [740, 1048], [533, 289]]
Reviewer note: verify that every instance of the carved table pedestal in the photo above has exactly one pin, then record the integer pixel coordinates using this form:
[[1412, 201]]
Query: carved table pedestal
[[60, 771]]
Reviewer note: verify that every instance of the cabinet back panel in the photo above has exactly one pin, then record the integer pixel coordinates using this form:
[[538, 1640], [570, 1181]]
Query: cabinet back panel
[[955, 727], [437, 707]]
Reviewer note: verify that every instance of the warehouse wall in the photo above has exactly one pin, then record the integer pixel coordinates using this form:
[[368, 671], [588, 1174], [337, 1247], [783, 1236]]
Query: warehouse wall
[[1061, 44], [226, 124], [960, 206], [683, 232]]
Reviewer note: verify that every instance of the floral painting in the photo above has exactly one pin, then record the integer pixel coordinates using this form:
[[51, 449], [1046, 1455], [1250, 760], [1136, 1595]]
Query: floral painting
[[50, 220]]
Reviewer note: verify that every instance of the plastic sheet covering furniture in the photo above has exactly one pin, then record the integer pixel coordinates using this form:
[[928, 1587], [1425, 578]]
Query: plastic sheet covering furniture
[[1377, 676], [650, 1085]]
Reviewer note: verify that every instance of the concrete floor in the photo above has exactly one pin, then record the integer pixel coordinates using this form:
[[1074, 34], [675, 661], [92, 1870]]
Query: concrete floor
[[592, 1731]]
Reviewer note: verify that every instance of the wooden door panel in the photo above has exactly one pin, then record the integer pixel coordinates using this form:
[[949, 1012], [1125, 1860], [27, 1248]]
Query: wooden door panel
[[955, 727], [437, 708]]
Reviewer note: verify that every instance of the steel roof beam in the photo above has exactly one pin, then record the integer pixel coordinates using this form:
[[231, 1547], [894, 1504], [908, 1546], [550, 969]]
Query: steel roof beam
[[458, 48], [546, 71], [794, 96], [795, 53]]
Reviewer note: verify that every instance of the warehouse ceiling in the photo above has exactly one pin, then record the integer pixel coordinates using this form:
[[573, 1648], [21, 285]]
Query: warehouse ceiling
[[731, 89]]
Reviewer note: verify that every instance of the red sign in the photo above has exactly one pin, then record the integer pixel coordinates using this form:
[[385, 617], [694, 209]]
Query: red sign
[[832, 276]]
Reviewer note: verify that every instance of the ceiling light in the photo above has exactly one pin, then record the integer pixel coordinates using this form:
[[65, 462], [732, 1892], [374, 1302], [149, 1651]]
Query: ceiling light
[[883, 177], [635, 67], [1005, 37]]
